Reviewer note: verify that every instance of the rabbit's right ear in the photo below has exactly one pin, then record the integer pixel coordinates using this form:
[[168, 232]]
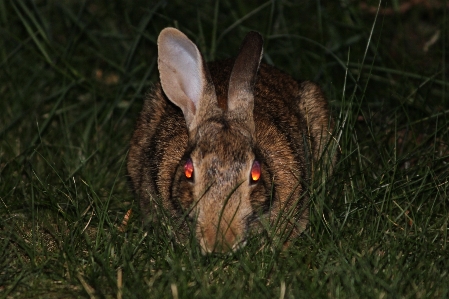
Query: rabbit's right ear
[[184, 78]]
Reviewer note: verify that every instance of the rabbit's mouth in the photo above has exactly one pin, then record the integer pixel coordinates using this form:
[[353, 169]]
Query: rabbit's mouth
[[222, 248]]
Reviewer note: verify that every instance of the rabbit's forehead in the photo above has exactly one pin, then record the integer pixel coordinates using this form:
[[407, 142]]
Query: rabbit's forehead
[[221, 132], [222, 148], [223, 142], [222, 123]]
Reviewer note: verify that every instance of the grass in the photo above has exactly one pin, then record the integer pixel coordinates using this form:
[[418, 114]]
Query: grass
[[72, 79]]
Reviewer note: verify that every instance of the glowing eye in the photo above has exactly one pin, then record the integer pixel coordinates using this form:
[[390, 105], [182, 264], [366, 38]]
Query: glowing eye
[[255, 172], [188, 169]]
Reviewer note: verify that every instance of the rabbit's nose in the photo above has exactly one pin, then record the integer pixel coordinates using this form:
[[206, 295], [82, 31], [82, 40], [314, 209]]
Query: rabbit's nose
[[220, 240]]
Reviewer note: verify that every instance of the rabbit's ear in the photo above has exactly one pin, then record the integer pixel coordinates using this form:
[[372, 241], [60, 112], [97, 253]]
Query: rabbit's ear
[[243, 78], [184, 78]]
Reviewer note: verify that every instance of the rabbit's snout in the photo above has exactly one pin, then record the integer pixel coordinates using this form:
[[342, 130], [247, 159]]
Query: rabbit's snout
[[220, 236], [222, 189], [221, 219]]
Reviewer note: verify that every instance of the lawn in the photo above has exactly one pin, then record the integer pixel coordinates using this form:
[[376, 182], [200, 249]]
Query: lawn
[[73, 76]]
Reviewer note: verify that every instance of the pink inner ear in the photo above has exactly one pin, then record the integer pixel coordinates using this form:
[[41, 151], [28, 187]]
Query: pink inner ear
[[184, 78], [184, 59]]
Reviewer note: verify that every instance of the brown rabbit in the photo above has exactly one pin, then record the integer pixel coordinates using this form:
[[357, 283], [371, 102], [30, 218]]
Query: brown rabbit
[[228, 145]]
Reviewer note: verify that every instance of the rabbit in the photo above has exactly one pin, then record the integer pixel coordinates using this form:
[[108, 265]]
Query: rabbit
[[226, 148]]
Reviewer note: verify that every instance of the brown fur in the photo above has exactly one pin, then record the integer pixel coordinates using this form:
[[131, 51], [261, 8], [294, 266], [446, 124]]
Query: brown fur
[[286, 132]]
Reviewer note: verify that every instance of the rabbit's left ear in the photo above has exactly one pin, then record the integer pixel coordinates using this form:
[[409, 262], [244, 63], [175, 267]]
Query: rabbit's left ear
[[184, 77], [242, 80]]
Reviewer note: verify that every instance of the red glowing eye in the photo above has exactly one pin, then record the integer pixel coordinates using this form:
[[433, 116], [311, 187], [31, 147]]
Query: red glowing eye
[[188, 169], [255, 172]]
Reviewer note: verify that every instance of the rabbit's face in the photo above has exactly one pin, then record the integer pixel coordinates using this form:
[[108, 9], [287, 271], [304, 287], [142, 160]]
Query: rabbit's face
[[234, 158], [220, 174]]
